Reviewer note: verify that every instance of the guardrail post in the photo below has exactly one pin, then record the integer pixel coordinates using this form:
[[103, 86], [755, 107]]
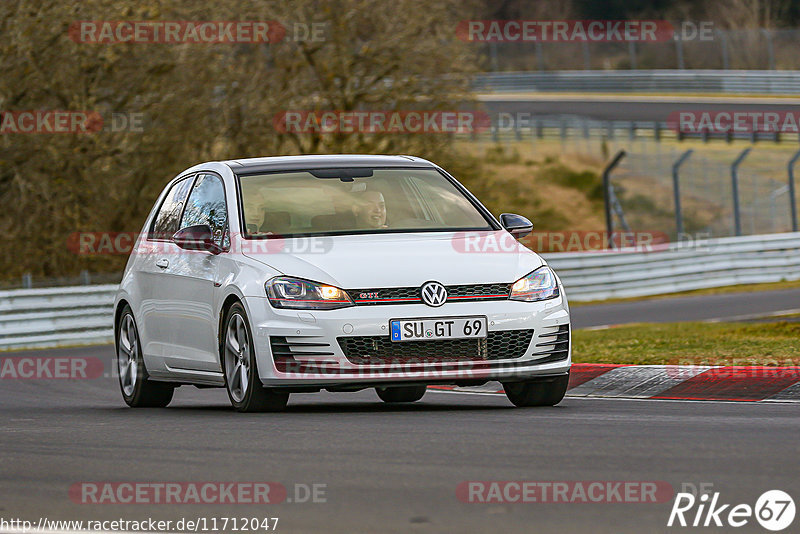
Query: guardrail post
[[792, 199], [27, 281], [85, 280], [607, 195], [632, 53], [676, 190], [737, 219]]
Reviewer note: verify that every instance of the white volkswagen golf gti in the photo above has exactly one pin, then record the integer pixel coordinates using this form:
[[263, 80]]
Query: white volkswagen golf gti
[[271, 276]]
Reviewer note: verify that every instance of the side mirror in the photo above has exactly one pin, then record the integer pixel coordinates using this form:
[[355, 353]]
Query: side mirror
[[517, 225], [198, 237]]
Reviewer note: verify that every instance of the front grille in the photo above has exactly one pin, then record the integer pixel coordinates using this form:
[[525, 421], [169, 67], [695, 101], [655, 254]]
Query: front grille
[[411, 295], [377, 350], [552, 345]]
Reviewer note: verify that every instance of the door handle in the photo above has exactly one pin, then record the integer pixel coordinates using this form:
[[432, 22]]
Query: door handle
[[163, 263]]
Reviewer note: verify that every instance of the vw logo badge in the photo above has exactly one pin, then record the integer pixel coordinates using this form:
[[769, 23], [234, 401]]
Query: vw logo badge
[[434, 294]]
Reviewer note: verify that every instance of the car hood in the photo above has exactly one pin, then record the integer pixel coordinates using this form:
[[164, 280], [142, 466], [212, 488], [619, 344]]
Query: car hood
[[401, 260]]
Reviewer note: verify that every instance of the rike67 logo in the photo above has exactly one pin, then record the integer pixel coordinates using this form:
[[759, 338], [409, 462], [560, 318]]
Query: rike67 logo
[[774, 510]]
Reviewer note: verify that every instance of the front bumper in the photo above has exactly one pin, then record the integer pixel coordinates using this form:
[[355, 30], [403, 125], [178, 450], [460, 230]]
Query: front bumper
[[318, 360]]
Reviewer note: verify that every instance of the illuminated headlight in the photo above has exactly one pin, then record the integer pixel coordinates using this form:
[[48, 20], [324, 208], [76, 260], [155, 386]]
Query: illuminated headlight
[[539, 285], [298, 294]]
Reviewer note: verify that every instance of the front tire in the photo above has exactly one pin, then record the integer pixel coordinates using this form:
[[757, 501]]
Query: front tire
[[137, 390], [537, 393], [401, 394], [244, 387]]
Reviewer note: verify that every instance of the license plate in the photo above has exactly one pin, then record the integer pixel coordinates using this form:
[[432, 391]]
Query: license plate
[[438, 328]]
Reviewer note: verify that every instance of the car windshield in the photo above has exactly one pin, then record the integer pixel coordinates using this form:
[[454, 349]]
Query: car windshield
[[352, 201]]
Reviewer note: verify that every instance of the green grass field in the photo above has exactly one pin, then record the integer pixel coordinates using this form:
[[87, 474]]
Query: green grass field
[[774, 343]]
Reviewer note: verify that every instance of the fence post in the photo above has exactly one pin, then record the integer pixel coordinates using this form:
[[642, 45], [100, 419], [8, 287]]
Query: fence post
[[723, 40], [676, 190], [607, 195], [770, 51], [737, 219], [679, 54], [792, 199], [587, 57], [539, 55]]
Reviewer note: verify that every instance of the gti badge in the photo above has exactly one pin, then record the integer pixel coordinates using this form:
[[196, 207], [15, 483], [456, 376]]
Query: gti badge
[[434, 294]]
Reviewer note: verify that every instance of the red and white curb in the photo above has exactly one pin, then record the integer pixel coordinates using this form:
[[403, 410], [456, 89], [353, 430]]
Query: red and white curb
[[675, 382]]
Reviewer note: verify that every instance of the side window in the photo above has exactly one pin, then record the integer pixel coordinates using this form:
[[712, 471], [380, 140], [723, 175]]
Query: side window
[[166, 222], [206, 205]]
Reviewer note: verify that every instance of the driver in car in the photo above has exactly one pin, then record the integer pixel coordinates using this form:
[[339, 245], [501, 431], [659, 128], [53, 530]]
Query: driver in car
[[370, 210]]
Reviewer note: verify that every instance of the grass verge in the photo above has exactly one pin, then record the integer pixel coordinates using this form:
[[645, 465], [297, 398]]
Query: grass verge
[[775, 343]]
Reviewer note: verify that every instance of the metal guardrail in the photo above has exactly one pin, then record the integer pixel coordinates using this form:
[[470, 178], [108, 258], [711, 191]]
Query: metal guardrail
[[82, 315], [58, 316], [706, 263], [642, 81]]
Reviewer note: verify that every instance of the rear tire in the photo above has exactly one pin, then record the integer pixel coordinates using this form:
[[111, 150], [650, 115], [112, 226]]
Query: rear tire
[[137, 390], [244, 387], [401, 394], [537, 393]]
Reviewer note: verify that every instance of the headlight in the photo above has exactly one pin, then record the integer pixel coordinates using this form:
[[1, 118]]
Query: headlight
[[539, 285], [298, 294]]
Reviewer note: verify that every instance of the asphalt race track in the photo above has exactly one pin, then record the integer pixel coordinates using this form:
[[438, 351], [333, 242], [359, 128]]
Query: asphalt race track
[[396, 468], [385, 469], [728, 306]]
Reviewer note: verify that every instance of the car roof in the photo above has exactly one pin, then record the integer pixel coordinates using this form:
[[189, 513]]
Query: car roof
[[278, 163]]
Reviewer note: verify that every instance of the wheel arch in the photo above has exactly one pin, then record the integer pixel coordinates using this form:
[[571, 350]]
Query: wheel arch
[[229, 301], [117, 314]]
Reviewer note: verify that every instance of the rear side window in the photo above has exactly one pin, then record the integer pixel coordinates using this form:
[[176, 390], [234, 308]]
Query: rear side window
[[206, 205], [168, 219]]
